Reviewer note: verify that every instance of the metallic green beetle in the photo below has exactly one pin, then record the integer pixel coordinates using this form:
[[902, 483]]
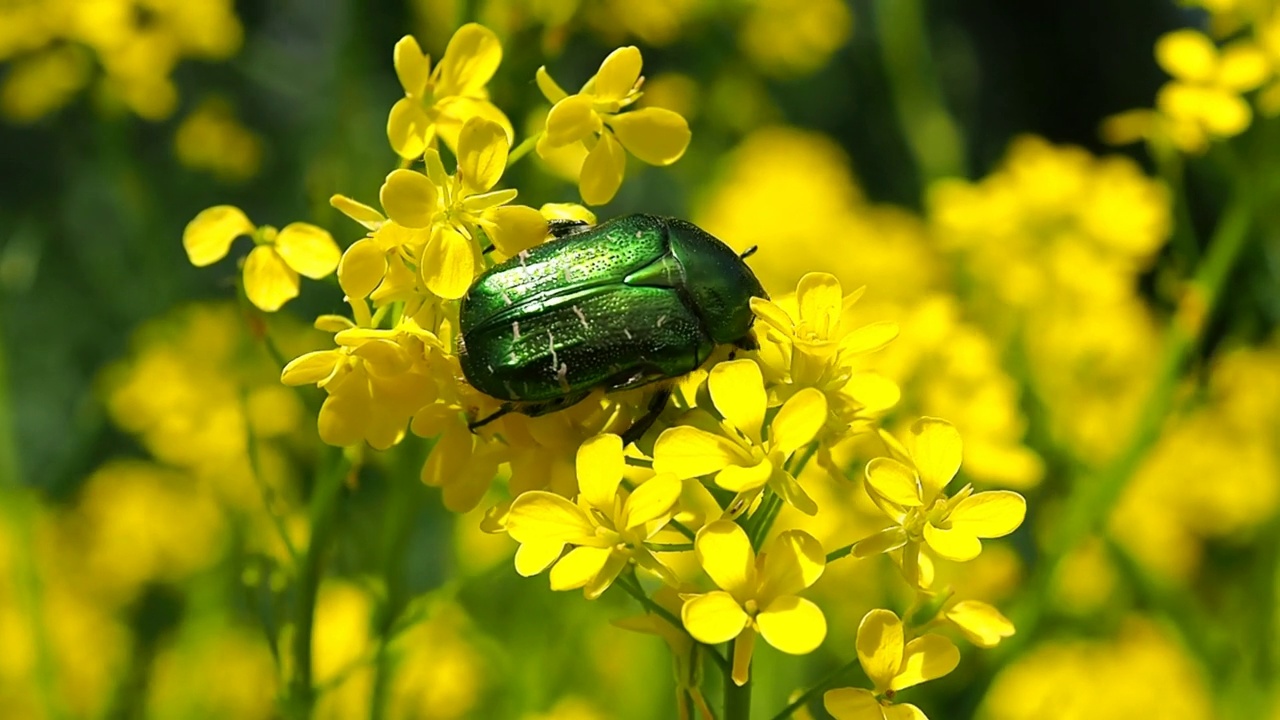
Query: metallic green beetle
[[632, 301]]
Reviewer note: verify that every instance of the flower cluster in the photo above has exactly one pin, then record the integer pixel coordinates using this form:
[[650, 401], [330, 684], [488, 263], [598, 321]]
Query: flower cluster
[[718, 464]]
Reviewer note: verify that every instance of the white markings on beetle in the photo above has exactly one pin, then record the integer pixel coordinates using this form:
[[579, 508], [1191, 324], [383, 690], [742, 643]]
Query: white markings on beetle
[[582, 318], [661, 319], [524, 257], [505, 298], [627, 332], [515, 330], [515, 359], [551, 345], [562, 377], [639, 234], [510, 390]]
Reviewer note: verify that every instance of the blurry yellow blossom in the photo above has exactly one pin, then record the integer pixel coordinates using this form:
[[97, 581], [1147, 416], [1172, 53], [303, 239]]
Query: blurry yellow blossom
[[607, 531], [439, 100], [892, 663], [246, 685], [210, 138], [271, 270], [341, 643], [980, 623], [914, 499], [743, 458], [1159, 680], [44, 82], [657, 22], [757, 593], [593, 117], [438, 673], [794, 37]]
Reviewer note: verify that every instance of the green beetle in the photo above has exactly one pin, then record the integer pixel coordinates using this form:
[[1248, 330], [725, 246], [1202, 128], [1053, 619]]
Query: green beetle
[[633, 301]]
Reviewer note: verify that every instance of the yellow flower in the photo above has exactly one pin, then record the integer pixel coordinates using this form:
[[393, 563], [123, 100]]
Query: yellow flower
[[815, 347], [742, 457], [606, 529], [593, 117], [439, 100], [1203, 101], [211, 139], [757, 593], [453, 210], [892, 664], [912, 496], [377, 379], [272, 268]]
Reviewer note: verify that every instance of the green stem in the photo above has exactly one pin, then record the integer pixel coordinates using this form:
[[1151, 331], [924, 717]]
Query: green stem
[[808, 695], [737, 698], [931, 132], [523, 149], [631, 585], [265, 490], [324, 503], [761, 522]]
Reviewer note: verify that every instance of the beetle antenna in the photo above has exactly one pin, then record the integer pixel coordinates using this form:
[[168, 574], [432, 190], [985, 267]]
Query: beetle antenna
[[749, 252]]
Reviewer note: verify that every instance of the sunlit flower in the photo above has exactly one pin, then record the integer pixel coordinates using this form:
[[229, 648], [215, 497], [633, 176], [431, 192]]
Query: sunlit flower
[[979, 622], [758, 593], [892, 664], [593, 117], [606, 528], [272, 268], [439, 100], [210, 138], [912, 496], [454, 210], [743, 458]]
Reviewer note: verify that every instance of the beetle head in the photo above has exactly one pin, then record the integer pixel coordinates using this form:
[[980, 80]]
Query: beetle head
[[719, 282]]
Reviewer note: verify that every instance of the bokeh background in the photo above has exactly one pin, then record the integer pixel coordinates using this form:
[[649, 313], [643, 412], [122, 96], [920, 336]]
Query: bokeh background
[[948, 155]]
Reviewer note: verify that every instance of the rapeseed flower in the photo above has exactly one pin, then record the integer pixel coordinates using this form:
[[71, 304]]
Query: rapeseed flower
[[892, 663], [593, 117], [757, 595]]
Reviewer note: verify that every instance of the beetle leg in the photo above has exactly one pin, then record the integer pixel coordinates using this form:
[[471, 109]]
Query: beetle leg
[[657, 403], [506, 408]]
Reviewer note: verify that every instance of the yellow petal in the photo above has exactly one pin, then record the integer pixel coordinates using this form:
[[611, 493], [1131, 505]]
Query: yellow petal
[[725, 554], [904, 711], [926, 658], [1244, 67], [208, 237], [578, 567], [615, 562], [448, 263], [602, 171], [743, 647], [852, 704], [789, 489], [654, 499], [737, 389], [869, 338], [713, 618], [412, 66], [799, 420], [894, 482], [540, 516], [308, 249], [686, 452], [570, 120], [534, 557], [819, 294], [880, 646], [409, 129], [409, 198], [655, 135], [358, 211], [344, 416], [982, 624], [449, 456], [793, 625], [551, 90], [989, 514], [516, 228], [600, 466], [1187, 55], [935, 449], [873, 391], [310, 368], [268, 281], [793, 561], [469, 61], [482, 154], [361, 268], [1223, 113], [567, 211], [958, 545], [455, 112], [618, 73], [744, 478], [774, 315], [489, 200], [881, 542]]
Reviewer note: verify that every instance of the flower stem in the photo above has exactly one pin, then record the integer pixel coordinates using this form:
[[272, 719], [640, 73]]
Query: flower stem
[[631, 585], [737, 698], [523, 149], [808, 695], [324, 503]]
